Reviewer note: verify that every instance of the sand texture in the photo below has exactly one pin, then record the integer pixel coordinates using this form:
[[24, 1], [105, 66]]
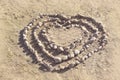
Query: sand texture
[[17, 64]]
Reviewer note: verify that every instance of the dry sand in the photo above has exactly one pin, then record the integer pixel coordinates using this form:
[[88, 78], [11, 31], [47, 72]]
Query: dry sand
[[15, 14]]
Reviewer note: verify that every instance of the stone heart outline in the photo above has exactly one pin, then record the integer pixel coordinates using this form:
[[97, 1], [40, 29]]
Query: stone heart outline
[[87, 24]]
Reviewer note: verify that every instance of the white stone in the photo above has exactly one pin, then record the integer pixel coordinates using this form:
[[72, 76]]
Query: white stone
[[45, 36], [100, 47], [40, 44], [55, 46], [28, 27], [38, 17], [61, 67], [57, 59], [34, 33], [77, 62], [82, 49], [43, 30], [61, 48], [40, 23], [89, 54], [25, 31], [77, 25], [37, 27], [64, 57], [84, 57], [92, 52], [76, 52], [93, 38], [72, 25], [48, 66], [87, 46], [30, 24], [26, 43], [24, 35], [51, 45], [71, 55], [39, 41], [31, 49], [96, 50]]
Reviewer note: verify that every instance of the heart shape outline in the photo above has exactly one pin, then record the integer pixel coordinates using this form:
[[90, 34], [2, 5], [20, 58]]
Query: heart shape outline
[[64, 19]]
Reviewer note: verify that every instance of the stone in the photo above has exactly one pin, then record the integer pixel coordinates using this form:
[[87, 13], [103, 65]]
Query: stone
[[76, 52], [25, 31], [51, 45], [39, 41], [61, 48], [89, 54], [84, 57], [87, 46], [57, 59], [40, 23], [61, 67], [48, 66], [56, 69], [37, 27], [71, 65], [43, 31], [55, 46], [100, 47], [45, 36], [30, 25], [65, 57], [71, 55], [24, 36], [26, 43], [95, 50], [40, 44], [77, 62], [93, 38]]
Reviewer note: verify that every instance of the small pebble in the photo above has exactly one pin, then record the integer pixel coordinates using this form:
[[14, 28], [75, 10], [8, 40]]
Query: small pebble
[[77, 62], [71, 55], [30, 25], [40, 23], [55, 46], [87, 46], [26, 43], [76, 52], [37, 27], [96, 50], [61, 67], [57, 59], [89, 54], [43, 31], [25, 31], [93, 38], [64, 57], [84, 57], [71, 65], [61, 48], [51, 45], [100, 47]]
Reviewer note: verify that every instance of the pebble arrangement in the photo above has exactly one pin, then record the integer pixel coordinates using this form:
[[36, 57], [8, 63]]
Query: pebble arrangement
[[55, 57]]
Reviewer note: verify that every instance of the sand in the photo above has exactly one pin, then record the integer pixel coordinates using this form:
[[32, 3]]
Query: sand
[[16, 14]]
